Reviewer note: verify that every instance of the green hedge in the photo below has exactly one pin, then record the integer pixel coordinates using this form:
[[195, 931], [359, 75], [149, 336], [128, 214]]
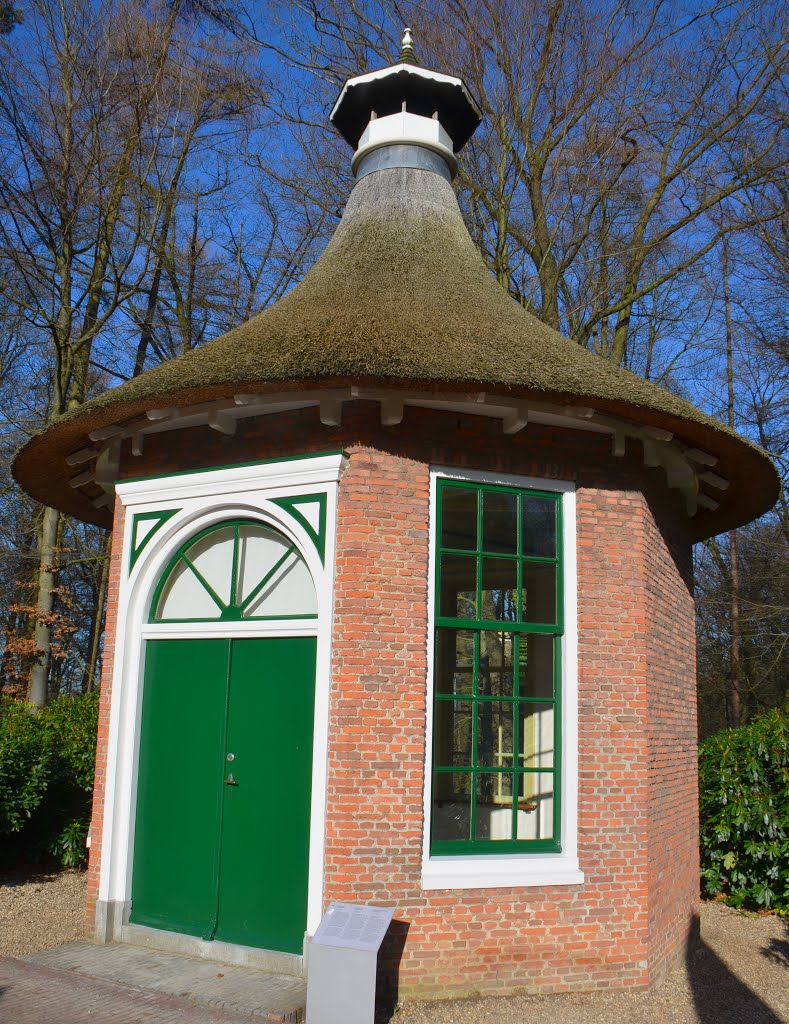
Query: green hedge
[[46, 778], [744, 807]]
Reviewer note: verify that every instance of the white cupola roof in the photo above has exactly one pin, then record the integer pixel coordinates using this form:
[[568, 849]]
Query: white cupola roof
[[405, 106]]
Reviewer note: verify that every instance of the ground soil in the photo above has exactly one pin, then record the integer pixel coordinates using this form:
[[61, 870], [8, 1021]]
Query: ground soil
[[40, 910], [739, 974]]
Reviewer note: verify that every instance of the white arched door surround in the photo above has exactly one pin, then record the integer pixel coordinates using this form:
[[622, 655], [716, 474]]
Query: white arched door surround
[[296, 498]]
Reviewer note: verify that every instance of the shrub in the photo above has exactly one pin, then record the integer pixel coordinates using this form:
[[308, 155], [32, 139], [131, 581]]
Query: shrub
[[744, 810], [46, 777], [24, 765], [69, 726]]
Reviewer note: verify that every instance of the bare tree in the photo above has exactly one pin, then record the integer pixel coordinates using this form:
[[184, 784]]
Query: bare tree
[[92, 116], [619, 145], [77, 134], [125, 134], [9, 17], [743, 577]]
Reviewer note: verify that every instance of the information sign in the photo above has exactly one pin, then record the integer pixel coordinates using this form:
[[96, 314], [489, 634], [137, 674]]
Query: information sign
[[353, 926], [341, 965]]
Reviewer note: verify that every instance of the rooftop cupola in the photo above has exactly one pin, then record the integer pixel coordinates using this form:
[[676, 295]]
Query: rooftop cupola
[[405, 116]]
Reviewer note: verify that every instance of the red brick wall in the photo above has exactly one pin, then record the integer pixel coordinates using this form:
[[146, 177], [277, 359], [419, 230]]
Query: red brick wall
[[488, 941], [110, 632], [637, 764], [673, 797]]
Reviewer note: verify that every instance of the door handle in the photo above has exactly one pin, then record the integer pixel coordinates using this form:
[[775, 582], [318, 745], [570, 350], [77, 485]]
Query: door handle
[[230, 781]]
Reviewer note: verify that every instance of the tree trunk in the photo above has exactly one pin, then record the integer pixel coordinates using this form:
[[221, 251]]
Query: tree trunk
[[735, 652], [547, 269], [91, 677], [45, 599]]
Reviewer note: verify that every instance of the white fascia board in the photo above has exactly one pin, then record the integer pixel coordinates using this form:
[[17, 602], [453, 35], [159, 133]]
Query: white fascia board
[[411, 69], [275, 476]]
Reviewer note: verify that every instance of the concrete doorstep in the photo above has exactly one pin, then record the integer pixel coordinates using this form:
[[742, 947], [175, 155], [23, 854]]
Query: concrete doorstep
[[243, 991]]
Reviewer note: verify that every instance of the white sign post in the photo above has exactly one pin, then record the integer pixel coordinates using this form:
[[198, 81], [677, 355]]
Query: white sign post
[[343, 958]]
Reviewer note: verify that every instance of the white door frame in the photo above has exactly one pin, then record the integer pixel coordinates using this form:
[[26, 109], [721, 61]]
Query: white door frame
[[206, 499]]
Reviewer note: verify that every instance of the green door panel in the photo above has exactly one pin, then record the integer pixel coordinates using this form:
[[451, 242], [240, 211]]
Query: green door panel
[[216, 860], [179, 788], [266, 817]]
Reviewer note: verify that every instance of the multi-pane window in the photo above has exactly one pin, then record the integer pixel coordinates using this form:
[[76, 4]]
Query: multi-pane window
[[496, 726], [233, 572]]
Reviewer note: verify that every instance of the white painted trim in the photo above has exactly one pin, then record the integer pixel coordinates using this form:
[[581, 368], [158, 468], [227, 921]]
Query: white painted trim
[[659, 447], [205, 499], [409, 69], [514, 870], [253, 628], [405, 129], [301, 476]]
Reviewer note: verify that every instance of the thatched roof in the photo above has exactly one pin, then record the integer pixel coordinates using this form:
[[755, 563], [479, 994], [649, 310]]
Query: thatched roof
[[401, 296]]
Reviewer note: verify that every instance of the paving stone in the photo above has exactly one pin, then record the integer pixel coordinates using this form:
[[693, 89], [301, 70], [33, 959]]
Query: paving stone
[[116, 984]]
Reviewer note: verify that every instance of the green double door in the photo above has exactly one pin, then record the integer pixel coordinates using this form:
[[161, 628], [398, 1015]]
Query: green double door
[[223, 796]]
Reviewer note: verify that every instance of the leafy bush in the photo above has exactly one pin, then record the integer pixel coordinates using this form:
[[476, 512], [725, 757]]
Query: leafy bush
[[46, 777], [69, 726], [68, 847], [24, 765], [744, 805]]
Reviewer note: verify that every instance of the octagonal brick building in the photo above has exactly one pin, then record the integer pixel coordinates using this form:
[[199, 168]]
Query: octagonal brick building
[[400, 610]]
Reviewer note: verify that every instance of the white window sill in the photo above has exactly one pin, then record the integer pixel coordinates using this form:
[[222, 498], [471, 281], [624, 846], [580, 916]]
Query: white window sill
[[515, 871]]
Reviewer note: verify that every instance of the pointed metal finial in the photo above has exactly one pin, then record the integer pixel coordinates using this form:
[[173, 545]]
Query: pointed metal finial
[[407, 54]]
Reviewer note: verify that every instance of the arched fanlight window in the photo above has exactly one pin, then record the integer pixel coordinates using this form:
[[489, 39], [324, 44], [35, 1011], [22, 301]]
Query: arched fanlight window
[[235, 571]]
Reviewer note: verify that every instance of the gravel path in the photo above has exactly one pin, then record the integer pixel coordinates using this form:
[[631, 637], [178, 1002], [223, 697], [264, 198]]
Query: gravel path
[[739, 974], [40, 911]]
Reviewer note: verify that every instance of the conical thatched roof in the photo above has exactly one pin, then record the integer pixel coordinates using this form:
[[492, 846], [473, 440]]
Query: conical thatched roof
[[401, 297]]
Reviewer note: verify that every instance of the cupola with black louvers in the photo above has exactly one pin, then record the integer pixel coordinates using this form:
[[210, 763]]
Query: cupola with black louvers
[[405, 116]]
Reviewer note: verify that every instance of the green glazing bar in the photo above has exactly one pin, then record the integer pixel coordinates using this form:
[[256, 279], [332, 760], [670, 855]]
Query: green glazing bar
[[503, 555], [516, 727], [458, 847], [479, 558], [559, 562], [498, 625], [520, 613], [206, 585], [492, 698], [234, 570], [496, 771], [250, 618], [469, 485], [557, 741], [248, 600]]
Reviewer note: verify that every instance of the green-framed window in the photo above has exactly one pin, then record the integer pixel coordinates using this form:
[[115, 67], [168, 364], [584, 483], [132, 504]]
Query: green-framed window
[[497, 703], [234, 571]]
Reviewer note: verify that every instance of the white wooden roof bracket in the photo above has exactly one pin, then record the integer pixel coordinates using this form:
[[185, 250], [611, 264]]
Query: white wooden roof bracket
[[685, 467]]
